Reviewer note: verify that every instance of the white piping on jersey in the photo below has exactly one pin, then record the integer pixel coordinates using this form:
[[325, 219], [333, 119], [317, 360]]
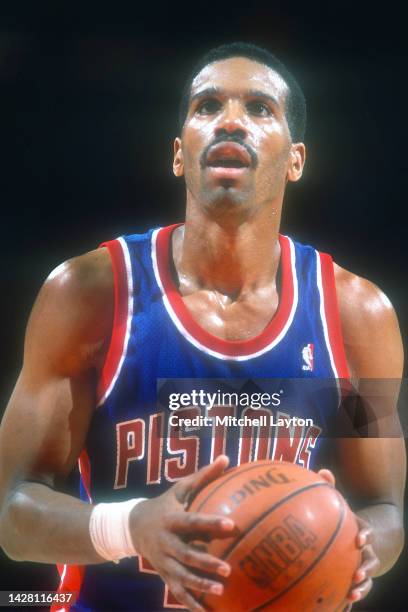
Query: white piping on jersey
[[177, 322], [61, 585], [324, 322], [129, 278]]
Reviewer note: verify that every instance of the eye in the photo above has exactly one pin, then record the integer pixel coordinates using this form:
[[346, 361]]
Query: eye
[[259, 108], [208, 106]]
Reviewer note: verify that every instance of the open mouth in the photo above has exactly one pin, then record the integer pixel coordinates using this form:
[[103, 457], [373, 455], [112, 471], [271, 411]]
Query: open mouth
[[228, 155], [227, 163]]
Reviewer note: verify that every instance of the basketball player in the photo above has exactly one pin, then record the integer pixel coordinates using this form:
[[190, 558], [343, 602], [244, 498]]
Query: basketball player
[[222, 296]]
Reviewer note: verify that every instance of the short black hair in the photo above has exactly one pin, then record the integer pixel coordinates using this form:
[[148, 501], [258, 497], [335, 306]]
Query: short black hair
[[295, 103]]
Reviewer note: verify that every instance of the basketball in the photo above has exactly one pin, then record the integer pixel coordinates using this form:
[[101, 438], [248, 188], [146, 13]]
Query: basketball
[[294, 547]]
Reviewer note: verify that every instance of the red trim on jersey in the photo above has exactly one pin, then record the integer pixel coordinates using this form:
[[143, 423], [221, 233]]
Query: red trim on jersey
[[120, 316], [84, 466], [231, 348], [71, 581], [73, 577], [332, 315]]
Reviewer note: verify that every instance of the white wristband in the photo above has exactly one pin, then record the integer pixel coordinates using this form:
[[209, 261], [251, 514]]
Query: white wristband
[[110, 532]]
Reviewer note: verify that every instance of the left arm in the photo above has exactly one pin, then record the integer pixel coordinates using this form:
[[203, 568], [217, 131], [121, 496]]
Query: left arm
[[371, 470]]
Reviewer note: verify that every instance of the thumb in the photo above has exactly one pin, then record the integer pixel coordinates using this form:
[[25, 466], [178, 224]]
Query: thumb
[[189, 486], [328, 476]]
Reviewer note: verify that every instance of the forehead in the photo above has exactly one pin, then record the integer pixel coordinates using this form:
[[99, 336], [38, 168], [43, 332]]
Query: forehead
[[240, 74]]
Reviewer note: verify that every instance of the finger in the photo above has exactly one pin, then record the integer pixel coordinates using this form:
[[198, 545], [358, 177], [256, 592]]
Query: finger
[[364, 537], [360, 591], [365, 532], [193, 523], [187, 579], [328, 476], [190, 485], [369, 567], [193, 557], [184, 597]]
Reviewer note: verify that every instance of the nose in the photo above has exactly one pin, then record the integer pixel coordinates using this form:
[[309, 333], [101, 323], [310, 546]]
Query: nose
[[231, 121]]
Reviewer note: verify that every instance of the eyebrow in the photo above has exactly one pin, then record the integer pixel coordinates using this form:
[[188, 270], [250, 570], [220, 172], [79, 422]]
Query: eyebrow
[[252, 93]]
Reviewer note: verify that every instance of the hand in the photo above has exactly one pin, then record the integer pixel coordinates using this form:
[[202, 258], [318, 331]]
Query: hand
[[161, 528], [362, 579]]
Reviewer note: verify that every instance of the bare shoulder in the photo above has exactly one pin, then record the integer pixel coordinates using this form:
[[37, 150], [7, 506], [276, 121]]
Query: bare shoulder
[[74, 311], [370, 327], [360, 300], [87, 276]]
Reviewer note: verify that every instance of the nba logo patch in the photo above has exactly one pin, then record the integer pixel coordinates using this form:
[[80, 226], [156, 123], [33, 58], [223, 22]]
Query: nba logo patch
[[308, 358]]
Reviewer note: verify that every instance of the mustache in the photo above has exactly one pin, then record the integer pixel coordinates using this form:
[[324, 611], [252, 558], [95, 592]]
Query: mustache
[[229, 138]]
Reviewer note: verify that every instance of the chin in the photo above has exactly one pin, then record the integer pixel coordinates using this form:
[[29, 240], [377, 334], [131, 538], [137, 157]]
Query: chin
[[225, 196], [227, 202]]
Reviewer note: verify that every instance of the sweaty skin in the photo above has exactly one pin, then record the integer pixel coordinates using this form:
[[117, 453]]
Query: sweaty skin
[[226, 258]]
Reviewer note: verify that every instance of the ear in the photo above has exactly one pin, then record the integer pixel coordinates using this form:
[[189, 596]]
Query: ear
[[178, 161], [297, 158]]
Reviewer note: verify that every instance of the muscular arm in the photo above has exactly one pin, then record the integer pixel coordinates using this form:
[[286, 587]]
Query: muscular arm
[[371, 470], [44, 430], [47, 419]]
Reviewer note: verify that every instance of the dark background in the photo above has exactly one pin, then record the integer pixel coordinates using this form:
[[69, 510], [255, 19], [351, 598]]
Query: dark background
[[88, 112]]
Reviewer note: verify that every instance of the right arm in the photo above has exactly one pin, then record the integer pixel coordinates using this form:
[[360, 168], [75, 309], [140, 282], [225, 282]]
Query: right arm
[[46, 422], [44, 430]]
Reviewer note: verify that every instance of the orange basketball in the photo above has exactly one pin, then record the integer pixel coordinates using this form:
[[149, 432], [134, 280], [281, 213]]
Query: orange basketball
[[295, 544]]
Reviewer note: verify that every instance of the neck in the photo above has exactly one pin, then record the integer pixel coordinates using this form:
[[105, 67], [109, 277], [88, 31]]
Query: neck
[[232, 259]]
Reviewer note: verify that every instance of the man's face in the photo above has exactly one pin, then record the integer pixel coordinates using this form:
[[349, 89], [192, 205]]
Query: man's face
[[235, 146]]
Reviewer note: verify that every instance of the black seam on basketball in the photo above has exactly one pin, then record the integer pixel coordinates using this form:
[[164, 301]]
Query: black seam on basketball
[[309, 569], [251, 466], [271, 509], [260, 519]]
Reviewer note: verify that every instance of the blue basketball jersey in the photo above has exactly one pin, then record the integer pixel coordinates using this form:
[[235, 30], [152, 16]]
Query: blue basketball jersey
[[137, 447]]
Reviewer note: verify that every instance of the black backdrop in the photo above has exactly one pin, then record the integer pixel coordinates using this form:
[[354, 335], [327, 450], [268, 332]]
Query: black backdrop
[[88, 111]]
